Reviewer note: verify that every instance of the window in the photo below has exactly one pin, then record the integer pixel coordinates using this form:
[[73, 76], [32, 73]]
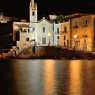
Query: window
[[33, 13], [76, 24], [57, 37], [33, 29], [43, 29], [17, 36], [27, 39], [85, 22], [24, 30], [58, 30], [64, 37], [44, 40], [65, 29], [28, 30]]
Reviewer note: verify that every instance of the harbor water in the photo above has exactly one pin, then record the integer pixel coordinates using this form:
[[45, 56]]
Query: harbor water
[[47, 77]]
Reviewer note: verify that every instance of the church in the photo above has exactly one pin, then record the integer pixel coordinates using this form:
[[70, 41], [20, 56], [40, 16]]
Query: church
[[38, 32]]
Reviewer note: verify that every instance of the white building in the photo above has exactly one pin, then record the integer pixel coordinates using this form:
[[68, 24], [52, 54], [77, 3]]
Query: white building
[[56, 29], [39, 33], [21, 34], [43, 31]]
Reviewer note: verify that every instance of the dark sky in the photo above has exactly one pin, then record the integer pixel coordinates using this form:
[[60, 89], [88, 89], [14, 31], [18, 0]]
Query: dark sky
[[19, 8]]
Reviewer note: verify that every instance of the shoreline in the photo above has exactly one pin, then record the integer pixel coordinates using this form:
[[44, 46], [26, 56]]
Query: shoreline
[[49, 53]]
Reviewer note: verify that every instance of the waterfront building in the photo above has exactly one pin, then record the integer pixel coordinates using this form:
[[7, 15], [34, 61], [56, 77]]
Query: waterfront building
[[6, 33], [77, 32], [43, 33], [64, 35], [83, 32], [56, 27], [21, 33]]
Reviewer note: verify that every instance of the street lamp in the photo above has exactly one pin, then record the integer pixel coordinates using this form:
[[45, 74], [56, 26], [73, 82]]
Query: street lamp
[[49, 35], [75, 36]]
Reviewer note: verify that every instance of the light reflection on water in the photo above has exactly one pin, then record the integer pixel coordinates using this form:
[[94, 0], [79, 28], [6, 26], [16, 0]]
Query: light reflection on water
[[75, 78], [53, 77]]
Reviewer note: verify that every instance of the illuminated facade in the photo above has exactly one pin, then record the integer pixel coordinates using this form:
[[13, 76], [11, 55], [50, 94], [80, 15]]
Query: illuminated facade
[[78, 32], [42, 30], [64, 35], [21, 33], [83, 32]]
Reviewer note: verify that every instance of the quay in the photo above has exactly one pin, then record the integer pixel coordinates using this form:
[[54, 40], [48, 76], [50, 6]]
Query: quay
[[47, 52]]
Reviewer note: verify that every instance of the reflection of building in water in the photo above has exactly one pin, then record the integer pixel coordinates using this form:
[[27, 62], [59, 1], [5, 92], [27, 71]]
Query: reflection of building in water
[[75, 86]]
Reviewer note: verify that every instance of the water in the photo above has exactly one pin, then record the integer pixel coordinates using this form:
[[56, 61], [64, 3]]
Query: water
[[47, 77]]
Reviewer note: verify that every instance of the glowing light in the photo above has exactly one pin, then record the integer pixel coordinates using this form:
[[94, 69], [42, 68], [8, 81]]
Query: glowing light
[[49, 34], [16, 27], [75, 36]]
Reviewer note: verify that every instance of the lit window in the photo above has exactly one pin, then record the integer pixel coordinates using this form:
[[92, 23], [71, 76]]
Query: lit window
[[44, 40]]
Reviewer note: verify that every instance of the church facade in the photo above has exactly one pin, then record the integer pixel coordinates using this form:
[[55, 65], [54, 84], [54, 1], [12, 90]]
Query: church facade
[[39, 32], [42, 30]]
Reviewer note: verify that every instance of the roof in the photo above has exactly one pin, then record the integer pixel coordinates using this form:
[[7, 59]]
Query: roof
[[45, 20]]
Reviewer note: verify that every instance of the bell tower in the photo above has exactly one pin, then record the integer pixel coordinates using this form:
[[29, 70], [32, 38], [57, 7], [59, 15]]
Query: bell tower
[[33, 11]]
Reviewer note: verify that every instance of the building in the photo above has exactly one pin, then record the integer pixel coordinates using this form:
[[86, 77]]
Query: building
[[21, 33], [56, 27], [78, 32], [42, 30], [6, 34], [64, 35], [83, 32]]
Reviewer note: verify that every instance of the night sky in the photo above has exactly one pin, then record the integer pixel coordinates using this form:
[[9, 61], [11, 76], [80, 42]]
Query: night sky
[[19, 8]]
